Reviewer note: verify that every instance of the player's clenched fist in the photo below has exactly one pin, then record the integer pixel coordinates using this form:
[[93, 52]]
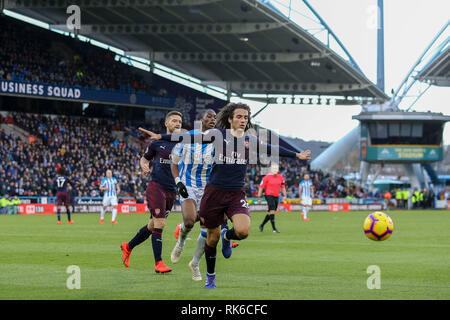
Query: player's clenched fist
[[182, 190]]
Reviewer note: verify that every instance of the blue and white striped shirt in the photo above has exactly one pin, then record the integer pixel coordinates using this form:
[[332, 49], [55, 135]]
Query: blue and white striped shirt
[[195, 164], [306, 188], [109, 183]]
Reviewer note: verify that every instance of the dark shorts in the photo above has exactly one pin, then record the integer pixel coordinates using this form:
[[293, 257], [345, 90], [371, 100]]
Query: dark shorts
[[216, 202], [62, 198], [159, 200], [272, 202], [202, 224]]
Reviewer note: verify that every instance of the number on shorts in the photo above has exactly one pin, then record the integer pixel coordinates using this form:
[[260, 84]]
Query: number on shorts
[[244, 204]]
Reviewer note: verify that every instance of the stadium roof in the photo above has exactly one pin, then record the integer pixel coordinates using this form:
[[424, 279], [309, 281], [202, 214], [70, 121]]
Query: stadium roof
[[437, 72], [401, 115], [243, 46]]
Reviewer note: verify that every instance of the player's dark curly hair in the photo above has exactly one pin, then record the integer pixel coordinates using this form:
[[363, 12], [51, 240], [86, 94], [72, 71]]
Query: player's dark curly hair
[[227, 113], [61, 171]]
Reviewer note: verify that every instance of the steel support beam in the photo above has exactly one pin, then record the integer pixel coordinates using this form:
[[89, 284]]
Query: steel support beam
[[174, 28], [437, 81], [238, 56], [62, 4], [316, 100], [380, 47], [293, 87], [260, 110]]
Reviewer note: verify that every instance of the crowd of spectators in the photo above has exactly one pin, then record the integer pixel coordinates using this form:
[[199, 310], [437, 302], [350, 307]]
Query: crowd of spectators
[[29, 53], [85, 147], [325, 185]]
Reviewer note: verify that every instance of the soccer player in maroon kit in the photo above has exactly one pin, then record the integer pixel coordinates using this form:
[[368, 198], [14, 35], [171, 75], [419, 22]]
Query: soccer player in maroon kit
[[224, 192], [272, 184], [60, 184], [160, 194]]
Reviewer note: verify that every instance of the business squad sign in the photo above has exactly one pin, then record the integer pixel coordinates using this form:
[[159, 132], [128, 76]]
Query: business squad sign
[[46, 90], [43, 90]]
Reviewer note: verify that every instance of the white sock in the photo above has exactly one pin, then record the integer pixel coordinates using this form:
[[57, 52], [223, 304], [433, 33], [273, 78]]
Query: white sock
[[305, 211], [114, 214], [102, 213], [183, 234], [200, 250]]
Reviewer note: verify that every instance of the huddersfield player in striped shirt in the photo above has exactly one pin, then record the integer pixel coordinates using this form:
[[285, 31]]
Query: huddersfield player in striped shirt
[[224, 191], [111, 189], [191, 166], [306, 192]]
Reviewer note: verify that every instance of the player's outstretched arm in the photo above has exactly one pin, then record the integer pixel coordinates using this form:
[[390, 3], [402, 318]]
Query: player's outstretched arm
[[304, 155], [152, 135], [203, 138], [283, 152]]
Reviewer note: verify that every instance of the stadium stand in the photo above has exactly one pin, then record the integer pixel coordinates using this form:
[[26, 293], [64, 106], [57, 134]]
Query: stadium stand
[[32, 54], [85, 146], [325, 185]]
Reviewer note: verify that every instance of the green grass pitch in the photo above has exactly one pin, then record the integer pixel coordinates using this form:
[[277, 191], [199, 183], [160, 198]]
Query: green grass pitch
[[325, 258]]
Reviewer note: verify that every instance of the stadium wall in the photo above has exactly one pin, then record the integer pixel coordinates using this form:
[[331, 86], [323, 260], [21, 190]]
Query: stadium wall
[[45, 209]]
